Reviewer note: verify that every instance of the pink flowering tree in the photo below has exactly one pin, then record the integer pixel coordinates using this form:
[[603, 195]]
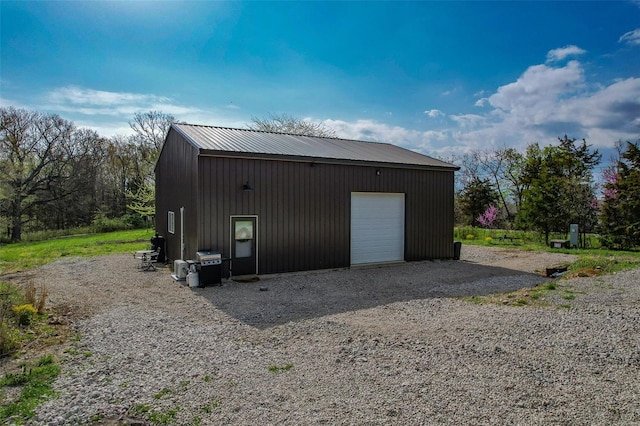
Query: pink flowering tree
[[489, 217], [611, 177]]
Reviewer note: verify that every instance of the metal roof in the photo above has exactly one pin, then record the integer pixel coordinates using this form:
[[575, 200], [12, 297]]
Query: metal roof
[[213, 140]]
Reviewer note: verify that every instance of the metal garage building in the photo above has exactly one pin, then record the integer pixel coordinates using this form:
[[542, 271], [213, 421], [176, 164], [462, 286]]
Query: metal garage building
[[276, 202]]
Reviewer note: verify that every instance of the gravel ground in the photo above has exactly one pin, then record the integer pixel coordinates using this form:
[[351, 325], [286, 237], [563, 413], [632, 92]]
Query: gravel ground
[[386, 345]]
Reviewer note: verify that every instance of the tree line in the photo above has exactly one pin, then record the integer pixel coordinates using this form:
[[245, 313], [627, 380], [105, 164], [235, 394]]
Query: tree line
[[546, 189], [54, 175]]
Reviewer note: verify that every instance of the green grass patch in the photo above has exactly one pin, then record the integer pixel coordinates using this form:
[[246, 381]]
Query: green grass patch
[[22, 256], [163, 417], [36, 383], [163, 392], [533, 296], [139, 409], [604, 262], [591, 262], [277, 369]]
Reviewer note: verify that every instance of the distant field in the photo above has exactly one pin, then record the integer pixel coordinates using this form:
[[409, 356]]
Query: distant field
[[23, 256]]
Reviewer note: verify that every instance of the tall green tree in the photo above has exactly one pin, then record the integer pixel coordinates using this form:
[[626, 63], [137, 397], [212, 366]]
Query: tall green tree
[[477, 195], [559, 187], [620, 216]]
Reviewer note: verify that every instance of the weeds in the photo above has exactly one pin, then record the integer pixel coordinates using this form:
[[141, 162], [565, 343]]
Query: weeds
[[163, 417], [36, 298], [20, 319], [535, 296], [36, 382], [216, 403], [139, 409], [277, 369], [24, 313], [163, 392]]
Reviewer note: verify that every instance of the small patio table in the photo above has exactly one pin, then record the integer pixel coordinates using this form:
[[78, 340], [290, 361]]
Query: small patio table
[[146, 257]]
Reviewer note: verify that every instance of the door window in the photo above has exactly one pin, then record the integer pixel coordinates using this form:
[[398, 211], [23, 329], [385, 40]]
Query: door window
[[244, 230]]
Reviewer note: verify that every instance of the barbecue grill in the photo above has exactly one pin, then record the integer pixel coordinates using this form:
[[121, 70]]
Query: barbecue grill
[[209, 267]]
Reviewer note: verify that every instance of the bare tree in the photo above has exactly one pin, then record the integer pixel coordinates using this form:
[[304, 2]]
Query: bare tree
[[284, 123], [151, 129], [504, 169], [44, 159]]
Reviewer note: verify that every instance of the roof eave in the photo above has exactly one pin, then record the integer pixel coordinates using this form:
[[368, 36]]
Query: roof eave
[[322, 160]]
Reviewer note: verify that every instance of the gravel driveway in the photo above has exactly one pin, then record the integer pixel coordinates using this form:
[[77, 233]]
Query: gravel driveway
[[387, 345]]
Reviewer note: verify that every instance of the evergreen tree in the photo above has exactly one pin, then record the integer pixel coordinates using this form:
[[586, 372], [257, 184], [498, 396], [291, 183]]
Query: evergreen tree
[[559, 188], [620, 218], [475, 198]]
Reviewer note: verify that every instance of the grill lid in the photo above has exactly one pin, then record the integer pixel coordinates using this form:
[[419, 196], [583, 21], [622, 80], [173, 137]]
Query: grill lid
[[207, 255]]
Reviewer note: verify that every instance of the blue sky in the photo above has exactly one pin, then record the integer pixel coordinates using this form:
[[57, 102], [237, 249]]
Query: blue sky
[[441, 78]]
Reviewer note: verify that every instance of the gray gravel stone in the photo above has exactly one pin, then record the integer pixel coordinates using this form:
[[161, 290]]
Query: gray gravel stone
[[390, 345]]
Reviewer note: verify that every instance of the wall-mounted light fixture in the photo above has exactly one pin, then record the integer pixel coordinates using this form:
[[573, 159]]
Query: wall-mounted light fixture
[[378, 172], [247, 187]]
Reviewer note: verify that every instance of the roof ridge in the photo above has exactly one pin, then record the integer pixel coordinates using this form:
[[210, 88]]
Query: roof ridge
[[280, 133]]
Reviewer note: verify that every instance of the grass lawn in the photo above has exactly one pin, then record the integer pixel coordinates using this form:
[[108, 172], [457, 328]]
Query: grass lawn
[[591, 261], [23, 256]]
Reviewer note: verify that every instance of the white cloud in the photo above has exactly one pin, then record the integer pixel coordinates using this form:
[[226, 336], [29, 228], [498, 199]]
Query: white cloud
[[426, 142], [449, 92], [562, 52], [533, 98], [109, 112], [546, 102], [481, 102], [6, 103], [84, 101], [469, 121], [89, 97], [632, 37], [433, 113]]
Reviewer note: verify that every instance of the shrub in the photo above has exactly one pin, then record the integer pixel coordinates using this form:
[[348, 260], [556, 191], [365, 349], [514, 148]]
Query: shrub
[[134, 221], [35, 298], [9, 339], [25, 313], [104, 224]]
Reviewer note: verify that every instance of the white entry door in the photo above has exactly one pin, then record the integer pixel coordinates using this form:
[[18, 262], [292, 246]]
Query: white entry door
[[377, 227]]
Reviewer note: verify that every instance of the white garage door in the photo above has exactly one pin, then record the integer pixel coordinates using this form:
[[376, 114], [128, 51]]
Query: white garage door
[[377, 227]]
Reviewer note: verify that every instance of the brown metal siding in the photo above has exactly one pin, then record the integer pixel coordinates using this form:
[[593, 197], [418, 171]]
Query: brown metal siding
[[304, 211], [176, 186]]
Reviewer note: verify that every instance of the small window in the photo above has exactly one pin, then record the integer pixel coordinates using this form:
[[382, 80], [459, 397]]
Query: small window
[[171, 222]]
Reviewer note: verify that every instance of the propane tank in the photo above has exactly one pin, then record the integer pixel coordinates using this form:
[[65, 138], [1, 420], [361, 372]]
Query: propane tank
[[193, 279]]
